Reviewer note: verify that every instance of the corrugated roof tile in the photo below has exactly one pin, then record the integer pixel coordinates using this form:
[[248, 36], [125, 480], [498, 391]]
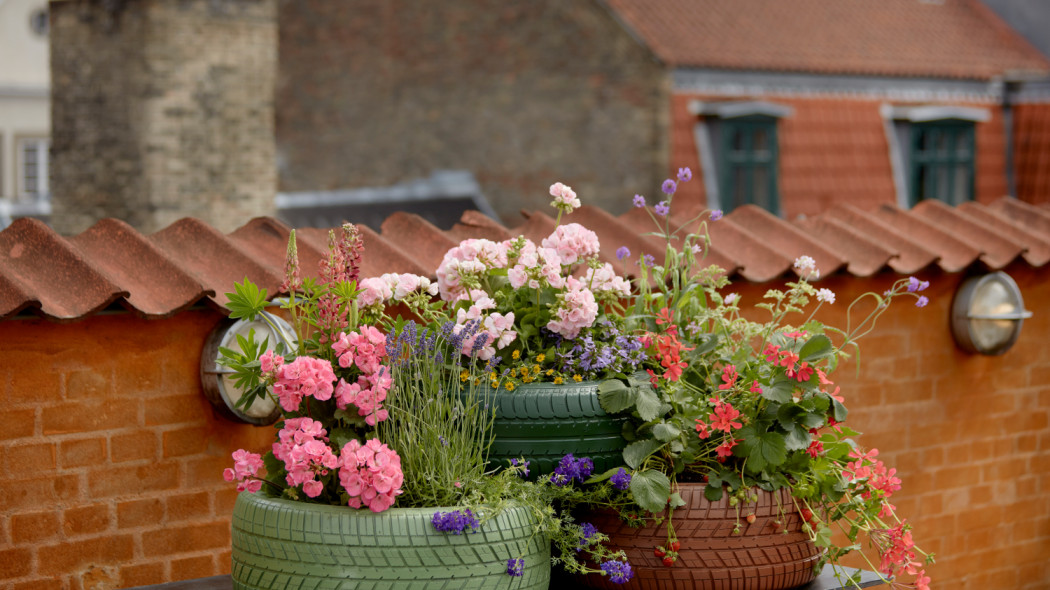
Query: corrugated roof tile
[[158, 275]]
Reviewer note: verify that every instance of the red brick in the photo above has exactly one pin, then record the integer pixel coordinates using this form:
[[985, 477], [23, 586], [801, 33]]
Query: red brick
[[82, 452], [177, 409], [185, 441], [119, 481], [51, 583], [135, 513], [17, 423], [87, 416], [31, 527], [98, 578], [31, 387], [206, 472], [29, 459], [89, 384], [21, 493], [75, 555], [192, 567], [15, 563], [141, 444], [86, 519], [225, 499], [176, 539], [141, 574], [188, 506]]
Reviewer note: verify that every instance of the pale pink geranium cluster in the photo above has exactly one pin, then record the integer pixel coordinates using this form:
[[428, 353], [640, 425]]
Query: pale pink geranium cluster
[[576, 309], [370, 474], [365, 350], [303, 447], [573, 243], [304, 377], [245, 467], [392, 287], [564, 198]]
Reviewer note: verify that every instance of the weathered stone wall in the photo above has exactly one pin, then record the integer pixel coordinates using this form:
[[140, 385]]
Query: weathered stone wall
[[162, 110], [523, 94]]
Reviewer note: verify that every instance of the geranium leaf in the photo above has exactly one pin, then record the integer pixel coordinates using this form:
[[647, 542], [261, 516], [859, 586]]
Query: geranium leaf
[[635, 453], [779, 390], [760, 448], [816, 348], [838, 411], [650, 490], [797, 438]]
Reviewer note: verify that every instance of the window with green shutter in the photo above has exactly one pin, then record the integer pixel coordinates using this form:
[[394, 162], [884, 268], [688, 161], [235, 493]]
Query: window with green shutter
[[747, 154], [941, 161]]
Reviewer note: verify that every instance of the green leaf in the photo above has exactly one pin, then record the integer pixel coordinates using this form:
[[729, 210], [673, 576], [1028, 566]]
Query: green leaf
[[816, 348], [797, 438], [760, 449], [666, 432], [838, 411], [648, 404], [247, 301], [713, 491], [676, 501], [637, 452], [651, 490], [614, 396], [780, 389], [603, 476]]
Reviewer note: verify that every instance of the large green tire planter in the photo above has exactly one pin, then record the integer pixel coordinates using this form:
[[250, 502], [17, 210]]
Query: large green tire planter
[[281, 544], [543, 422]]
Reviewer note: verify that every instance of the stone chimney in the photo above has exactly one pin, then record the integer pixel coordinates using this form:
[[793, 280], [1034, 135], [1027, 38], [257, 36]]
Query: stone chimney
[[162, 109]]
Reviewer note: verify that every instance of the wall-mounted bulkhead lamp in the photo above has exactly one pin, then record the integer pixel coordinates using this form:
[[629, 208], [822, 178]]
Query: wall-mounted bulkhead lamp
[[218, 382], [987, 314]]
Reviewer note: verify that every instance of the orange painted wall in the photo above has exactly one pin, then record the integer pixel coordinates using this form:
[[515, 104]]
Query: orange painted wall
[[112, 458]]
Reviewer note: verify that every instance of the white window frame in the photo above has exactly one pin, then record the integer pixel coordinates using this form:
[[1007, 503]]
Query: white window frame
[[42, 145]]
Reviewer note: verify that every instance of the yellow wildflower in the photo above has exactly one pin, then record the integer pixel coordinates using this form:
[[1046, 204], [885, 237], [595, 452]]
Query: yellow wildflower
[[516, 355], [550, 372], [540, 357], [577, 378], [558, 380], [464, 376], [509, 385]]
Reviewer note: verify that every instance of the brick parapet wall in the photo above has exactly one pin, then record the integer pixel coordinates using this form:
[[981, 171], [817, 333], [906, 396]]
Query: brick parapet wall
[[112, 458], [522, 94], [162, 110]]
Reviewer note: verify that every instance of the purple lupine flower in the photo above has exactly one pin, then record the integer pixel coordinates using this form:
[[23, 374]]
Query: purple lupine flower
[[622, 252], [669, 187], [621, 479], [516, 567], [455, 522], [685, 174], [716, 215], [639, 201], [571, 469], [619, 572]]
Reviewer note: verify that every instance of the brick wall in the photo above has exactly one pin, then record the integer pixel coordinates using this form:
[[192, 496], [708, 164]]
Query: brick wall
[[968, 434], [162, 110], [522, 94], [112, 458]]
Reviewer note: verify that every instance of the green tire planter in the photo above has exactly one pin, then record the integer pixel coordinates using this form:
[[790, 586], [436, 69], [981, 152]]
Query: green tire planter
[[279, 543], [543, 422]]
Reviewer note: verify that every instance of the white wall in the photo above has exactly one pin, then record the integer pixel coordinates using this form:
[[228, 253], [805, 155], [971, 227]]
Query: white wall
[[25, 78]]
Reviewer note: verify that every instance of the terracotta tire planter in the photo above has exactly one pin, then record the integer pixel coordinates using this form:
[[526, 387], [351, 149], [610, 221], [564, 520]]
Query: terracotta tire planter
[[543, 422], [283, 544], [711, 556]]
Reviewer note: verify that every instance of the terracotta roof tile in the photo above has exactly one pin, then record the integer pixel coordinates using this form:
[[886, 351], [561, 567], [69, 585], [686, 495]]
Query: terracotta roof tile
[[189, 262], [954, 39]]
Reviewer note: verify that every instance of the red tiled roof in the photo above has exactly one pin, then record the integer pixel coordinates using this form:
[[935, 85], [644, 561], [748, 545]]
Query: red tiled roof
[[949, 39], [189, 262]]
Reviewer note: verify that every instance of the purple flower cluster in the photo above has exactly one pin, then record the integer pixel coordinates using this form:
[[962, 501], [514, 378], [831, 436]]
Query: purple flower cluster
[[619, 572], [571, 469], [589, 531], [516, 567], [621, 479], [602, 350], [455, 522], [524, 464]]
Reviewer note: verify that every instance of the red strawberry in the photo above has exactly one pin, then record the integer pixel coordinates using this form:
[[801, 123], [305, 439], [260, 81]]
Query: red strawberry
[[675, 545], [659, 552], [807, 514], [668, 561], [751, 518]]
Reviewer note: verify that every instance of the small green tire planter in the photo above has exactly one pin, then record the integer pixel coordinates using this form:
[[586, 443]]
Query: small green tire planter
[[543, 422], [282, 544]]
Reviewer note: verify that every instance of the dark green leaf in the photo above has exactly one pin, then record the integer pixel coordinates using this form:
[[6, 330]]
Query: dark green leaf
[[713, 491], [838, 411], [797, 438], [614, 396], [666, 432], [760, 448], [648, 404], [780, 389], [246, 301]]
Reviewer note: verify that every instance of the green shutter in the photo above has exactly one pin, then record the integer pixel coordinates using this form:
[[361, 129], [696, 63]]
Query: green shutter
[[941, 157], [748, 163]]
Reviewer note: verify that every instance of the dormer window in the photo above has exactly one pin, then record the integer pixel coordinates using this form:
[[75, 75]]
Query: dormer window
[[933, 150], [739, 153]]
